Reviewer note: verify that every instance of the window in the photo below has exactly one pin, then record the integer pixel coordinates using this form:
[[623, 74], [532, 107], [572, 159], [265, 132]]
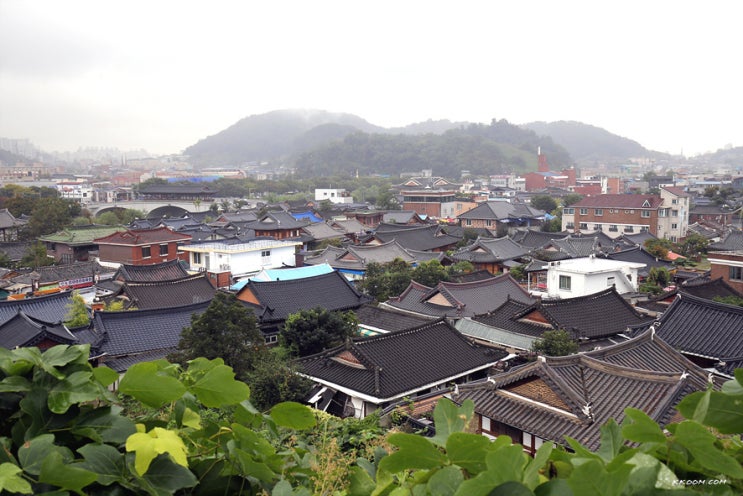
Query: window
[[598, 211], [662, 212], [597, 227], [266, 253], [570, 225], [674, 226], [468, 222], [146, 252], [629, 229], [196, 258], [736, 273], [569, 211], [613, 228], [674, 201], [584, 211], [488, 222], [609, 282], [645, 214], [674, 213], [565, 283], [583, 225], [163, 250]]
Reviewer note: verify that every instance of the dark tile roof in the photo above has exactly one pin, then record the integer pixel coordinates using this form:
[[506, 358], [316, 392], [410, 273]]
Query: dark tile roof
[[708, 289], [477, 275], [278, 299], [174, 293], [500, 211], [459, 299], [577, 247], [276, 221], [387, 320], [401, 217], [705, 328], [639, 255], [391, 365], [166, 271], [619, 201], [637, 239], [67, 272], [23, 330], [52, 308], [139, 331], [536, 239], [136, 237], [422, 238], [490, 251], [356, 257], [121, 364], [574, 396], [459, 231], [733, 241], [15, 251], [595, 316]]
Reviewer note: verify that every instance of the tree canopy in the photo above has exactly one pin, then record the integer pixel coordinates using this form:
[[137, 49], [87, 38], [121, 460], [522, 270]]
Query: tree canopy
[[313, 330], [225, 330], [555, 343]]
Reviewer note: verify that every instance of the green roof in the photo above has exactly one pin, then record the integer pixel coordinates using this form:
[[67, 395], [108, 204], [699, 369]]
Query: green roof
[[81, 235]]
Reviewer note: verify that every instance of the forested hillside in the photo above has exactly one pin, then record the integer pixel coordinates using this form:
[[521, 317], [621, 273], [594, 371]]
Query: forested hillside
[[587, 143], [480, 149]]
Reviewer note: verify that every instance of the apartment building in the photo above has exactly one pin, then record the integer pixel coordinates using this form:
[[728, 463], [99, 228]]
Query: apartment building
[[665, 215]]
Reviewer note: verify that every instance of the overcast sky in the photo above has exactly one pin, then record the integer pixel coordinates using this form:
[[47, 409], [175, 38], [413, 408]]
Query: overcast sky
[[161, 75]]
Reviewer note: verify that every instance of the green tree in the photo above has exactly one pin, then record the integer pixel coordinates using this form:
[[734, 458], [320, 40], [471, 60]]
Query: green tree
[[382, 281], [35, 256], [313, 330], [77, 312], [658, 247], [108, 219], [729, 300], [274, 379], [50, 215], [518, 272], [571, 199], [694, 246], [430, 273], [660, 276], [543, 202], [225, 330], [387, 201], [555, 343], [5, 261]]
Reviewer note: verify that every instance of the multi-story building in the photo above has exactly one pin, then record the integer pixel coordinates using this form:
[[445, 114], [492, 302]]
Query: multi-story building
[[665, 215]]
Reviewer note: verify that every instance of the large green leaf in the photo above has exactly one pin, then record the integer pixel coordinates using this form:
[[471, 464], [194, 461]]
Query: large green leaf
[[293, 415], [360, 482], [541, 457], [250, 467], [218, 387], [414, 452], [12, 481], [56, 472], [611, 440], [104, 424], [15, 384], [144, 382], [701, 444], [77, 387], [507, 463], [449, 418], [445, 481], [105, 375], [169, 477], [147, 445], [591, 478], [640, 428], [106, 461], [723, 411], [32, 453], [467, 451], [61, 355]]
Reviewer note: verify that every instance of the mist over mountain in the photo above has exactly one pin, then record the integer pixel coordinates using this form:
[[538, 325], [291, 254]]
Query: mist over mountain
[[590, 144], [318, 142]]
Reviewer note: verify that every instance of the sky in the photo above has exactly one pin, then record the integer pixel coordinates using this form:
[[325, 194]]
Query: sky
[[161, 75]]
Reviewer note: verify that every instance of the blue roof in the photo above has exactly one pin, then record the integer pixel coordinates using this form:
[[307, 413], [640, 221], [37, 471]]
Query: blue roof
[[292, 274], [306, 215]]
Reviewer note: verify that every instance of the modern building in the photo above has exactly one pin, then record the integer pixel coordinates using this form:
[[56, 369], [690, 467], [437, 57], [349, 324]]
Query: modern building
[[665, 215], [583, 276], [333, 195]]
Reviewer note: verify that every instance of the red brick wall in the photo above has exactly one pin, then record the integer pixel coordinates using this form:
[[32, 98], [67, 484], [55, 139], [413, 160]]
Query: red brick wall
[[720, 269]]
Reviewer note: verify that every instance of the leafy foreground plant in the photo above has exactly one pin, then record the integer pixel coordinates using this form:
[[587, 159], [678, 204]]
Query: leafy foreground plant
[[636, 458], [62, 432]]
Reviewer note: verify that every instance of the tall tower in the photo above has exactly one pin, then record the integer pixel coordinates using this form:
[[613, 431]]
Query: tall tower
[[542, 161]]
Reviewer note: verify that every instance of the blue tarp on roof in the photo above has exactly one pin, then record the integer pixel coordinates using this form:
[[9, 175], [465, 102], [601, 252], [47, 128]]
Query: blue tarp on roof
[[306, 215], [291, 274]]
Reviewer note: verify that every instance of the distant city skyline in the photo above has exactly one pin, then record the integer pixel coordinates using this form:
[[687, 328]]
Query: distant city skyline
[[161, 76]]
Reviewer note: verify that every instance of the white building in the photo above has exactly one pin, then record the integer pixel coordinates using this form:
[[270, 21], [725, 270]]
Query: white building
[[82, 192], [334, 195], [241, 259], [584, 276]]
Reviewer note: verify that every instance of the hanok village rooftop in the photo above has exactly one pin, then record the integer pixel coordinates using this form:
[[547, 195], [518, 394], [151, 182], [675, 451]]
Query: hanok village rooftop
[[469, 337]]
